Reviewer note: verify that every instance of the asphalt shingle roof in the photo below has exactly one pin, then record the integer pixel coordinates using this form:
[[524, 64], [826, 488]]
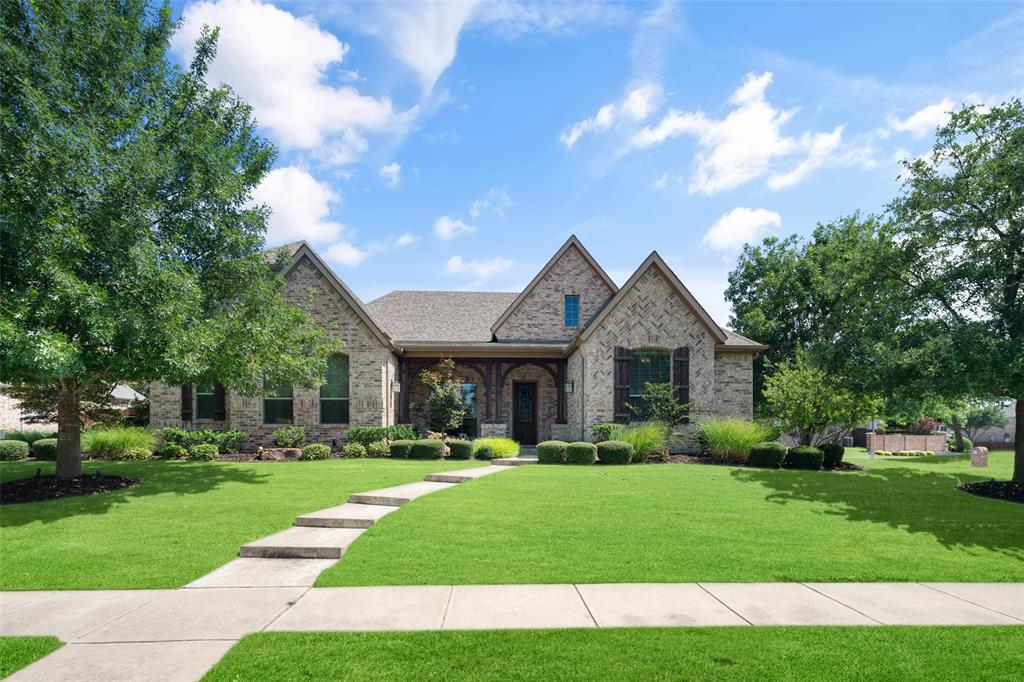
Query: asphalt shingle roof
[[439, 316]]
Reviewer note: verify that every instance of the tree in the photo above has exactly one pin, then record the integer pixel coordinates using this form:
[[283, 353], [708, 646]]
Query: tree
[[813, 406], [130, 249], [659, 404], [444, 397], [983, 415]]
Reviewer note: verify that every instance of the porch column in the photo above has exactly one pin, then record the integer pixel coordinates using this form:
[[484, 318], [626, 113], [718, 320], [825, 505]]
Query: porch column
[[403, 399], [560, 368], [498, 385]]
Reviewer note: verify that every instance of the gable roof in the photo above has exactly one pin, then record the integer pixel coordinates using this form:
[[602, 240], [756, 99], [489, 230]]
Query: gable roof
[[656, 261], [571, 242], [300, 250], [439, 316]]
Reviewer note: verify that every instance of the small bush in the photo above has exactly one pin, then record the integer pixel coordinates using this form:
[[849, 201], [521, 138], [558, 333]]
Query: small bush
[[730, 440], [227, 442], [401, 448], [614, 452], [927, 453], [580, 453], [45, 448], [134, 453], [833, 455], [365, 435], [609, 431], [460, 449], [203, 452], [503, 448], [803, 457], [768, 454], [648, 440], [428, 448], [378, 449], [113, 441], [551, 452], [290, 436], [485, 451], [13, 449], [883, 453], [172, 451], [352, 451], [230, 442], [29, 435], [317, 451]]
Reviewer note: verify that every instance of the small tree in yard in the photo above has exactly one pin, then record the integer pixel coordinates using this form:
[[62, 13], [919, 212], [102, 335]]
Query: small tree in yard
[[444, 396], [130, 251], [659, 404], [812, 406], [983, 415]]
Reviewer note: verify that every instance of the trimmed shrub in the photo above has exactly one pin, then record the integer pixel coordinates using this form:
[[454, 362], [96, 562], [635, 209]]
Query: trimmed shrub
[[316, 451], [290, 436], [378, 449], [460, 449], [427, 448], [730, 440], [13, 449], [580, 453], [29, 435], [352, 451], [927, 453], [803, 457], [502, 448], [950, 443], [45, 448], [551, 452], [172, 451], [768, 454], [614, 452], [113, 441], [204, 452], [883, 453], [648, 439], [485, 451], [365, 435], [401, 448], [833, 455], [609, 431], [227, 442], [134, 453], [230, 442]]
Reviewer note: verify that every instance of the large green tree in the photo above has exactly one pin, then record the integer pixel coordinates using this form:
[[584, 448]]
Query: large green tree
[[130, 249]]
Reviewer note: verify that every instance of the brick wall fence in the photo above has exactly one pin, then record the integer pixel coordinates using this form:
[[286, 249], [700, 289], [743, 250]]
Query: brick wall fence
[[894, 442]]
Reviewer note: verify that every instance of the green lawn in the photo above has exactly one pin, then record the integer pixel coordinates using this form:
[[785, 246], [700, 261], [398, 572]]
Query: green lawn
[[17, 652], [800, 653], [901, 520], [184, 520]]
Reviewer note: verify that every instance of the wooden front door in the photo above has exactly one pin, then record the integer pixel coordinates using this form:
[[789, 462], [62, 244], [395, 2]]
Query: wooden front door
[[524, 412]]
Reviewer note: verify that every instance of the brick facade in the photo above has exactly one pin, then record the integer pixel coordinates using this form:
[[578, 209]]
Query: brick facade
[[734, 389]]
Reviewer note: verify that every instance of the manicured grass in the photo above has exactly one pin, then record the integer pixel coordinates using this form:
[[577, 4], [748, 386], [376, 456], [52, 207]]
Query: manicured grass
[[898, 521], [182, 521], [804, 653], [17, 652]]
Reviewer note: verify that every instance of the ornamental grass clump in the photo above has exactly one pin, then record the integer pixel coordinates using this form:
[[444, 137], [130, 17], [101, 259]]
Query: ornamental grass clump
[[114, 441], [729, 440], [501, 448], [649, 439], [29, 436]]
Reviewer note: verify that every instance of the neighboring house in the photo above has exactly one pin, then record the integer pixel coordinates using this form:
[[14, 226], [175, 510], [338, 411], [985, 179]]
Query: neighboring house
[[1000, 436], [566, 353], [13, 417]]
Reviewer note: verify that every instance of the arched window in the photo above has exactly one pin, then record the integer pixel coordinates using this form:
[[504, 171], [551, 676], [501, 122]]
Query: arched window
[[334, 394], [647, 366]]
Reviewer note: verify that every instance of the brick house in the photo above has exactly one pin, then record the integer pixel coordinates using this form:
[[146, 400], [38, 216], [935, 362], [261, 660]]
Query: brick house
[[567, 352]]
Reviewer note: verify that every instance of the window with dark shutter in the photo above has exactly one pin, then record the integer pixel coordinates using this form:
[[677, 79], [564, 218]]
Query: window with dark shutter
[[186, 402], [646, 366], [620, 393], [204, 402], [334, 394], [681, 376], [219, 403]]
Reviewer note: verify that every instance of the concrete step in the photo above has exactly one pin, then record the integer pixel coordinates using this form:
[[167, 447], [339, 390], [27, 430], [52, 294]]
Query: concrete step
[[346, 515], [301, 542], [513, 461], [398, 495], [463, 475]]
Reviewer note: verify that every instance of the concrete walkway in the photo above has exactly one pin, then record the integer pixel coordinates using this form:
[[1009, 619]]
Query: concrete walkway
[[180, 634]]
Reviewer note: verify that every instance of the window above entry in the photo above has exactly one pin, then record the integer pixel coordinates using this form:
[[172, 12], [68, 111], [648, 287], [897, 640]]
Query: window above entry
[[572, 310]]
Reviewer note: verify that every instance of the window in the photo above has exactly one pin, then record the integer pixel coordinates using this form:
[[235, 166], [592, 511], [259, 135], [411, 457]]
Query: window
[[334, 394], [277, 407], [469, 420], [647, 366], [572, 310], [204, 401]]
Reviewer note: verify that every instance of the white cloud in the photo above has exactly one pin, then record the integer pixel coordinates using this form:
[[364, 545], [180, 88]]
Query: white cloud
[[406, 239], [300, 206], [637, 105], [740, 226], [479, 270], [498, 201], [820, 147], [448, 228], [278, 63], [924, 121], [392, 174], [512, 19], [347, 254]]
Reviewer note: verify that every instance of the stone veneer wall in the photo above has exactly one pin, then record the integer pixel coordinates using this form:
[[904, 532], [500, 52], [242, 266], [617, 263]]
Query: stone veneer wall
[[540, 316], [547, 399], [734, 385]]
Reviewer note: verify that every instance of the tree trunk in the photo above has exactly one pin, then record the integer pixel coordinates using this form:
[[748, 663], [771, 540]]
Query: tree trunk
[[1018, 442], [958, 435], [69, 431]]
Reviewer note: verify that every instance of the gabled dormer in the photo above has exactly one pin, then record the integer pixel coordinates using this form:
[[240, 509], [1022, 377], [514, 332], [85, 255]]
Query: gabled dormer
[[560, 301]]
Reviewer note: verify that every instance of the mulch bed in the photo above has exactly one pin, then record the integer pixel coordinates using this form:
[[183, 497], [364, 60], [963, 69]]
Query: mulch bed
[[1000, 490], [42, 488]]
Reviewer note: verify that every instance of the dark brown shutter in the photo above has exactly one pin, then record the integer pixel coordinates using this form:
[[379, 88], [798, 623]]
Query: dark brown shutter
[[186, 402], [620, 394], [219, 410], [681, 376]]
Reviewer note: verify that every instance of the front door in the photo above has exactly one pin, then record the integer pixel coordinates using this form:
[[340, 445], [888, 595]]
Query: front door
[[524, 415]]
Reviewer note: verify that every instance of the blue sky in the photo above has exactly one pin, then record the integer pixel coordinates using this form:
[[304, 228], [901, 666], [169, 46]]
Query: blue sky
[[457, 145]]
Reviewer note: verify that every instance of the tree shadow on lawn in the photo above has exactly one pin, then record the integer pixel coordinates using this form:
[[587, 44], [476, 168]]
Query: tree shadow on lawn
[[157, 478], [906, 499]]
